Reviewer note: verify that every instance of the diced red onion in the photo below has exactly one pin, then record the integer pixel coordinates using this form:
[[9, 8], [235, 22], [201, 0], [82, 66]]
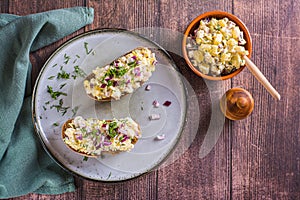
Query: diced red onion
[[105, 143], [128, 81], [133, 57], [167, 103], [103, 85], [125, 137], [136, 70], [160, 137], [155, 104], [154, 116], [78, 137], [148, 87], [115, 83]]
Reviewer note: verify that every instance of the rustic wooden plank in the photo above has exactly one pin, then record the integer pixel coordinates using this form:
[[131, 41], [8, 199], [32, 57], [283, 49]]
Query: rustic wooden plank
[[4, 6], [124, 14], [266, 145], [18, 7], [191, 177]]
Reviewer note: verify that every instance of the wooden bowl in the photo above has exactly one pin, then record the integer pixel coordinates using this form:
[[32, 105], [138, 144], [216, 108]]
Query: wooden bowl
[[218, 15]]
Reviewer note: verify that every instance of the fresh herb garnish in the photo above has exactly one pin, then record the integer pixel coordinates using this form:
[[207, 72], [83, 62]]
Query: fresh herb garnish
[[48, 102], [63, 75], [60, 107], [109, 175], [85, 158], [62, 85], [112, 129], [55, 124], [51, 77], [74, 110], [67, 58], [44, 107], [54, 94], [78, 71], [87, 51], [54, 65]]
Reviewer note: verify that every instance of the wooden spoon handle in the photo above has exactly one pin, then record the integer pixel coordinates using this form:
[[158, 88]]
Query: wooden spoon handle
[[261, 78]]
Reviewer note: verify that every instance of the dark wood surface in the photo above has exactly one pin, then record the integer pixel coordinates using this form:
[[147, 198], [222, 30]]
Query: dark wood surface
[[255, 158]]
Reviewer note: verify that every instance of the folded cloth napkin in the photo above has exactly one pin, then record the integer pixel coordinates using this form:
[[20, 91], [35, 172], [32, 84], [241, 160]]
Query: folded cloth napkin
[[24, 166]]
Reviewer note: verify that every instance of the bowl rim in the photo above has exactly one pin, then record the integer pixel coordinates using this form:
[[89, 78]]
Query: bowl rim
[[218, 14]]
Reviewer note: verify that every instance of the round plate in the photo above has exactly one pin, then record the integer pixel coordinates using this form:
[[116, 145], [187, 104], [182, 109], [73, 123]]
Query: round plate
[[63, 75]]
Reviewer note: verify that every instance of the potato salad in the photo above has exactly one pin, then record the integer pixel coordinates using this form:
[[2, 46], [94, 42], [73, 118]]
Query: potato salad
[[217, 47]]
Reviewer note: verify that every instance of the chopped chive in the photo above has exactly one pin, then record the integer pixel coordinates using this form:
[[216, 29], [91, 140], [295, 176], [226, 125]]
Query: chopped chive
[[109, 175], [67, 58], [77, 56], [55, 124], [41, 117], [74, 110], [62, 85], [54, 94], [54, 65], [44, 107], [87, 51], [48, 102], [51, 77], [85, 158], [60, 108], [78, 71], [63, 75]]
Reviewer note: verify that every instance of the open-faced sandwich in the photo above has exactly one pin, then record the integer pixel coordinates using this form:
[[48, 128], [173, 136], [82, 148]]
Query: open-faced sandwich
[[122, 76], [90, 137]]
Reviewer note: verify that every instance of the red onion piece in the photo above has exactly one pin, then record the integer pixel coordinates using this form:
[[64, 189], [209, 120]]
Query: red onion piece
[[160, 137], [167, 103], [155, 104], [148, 87]]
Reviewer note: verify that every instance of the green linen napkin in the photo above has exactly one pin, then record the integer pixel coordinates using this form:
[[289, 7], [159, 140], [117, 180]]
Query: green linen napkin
[[24, 166]]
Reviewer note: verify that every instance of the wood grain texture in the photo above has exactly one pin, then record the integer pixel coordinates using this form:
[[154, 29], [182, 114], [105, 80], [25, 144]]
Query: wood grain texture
[[269, 166], [255, 158]]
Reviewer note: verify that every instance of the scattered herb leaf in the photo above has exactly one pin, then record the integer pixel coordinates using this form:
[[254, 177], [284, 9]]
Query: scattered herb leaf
[[87, 51], [74, 110], [78, 71], [67, 58], [55, 124], [109, 175], [60, 108], [85, 158], [51, 77], [54, 94], [54, 65], [63, 75], [62, 85]]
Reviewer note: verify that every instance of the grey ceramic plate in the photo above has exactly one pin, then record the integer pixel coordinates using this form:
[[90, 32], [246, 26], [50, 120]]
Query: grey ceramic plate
[[98, 48]]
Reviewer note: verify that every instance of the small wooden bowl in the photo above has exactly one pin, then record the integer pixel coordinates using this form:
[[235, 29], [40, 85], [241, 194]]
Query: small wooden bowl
[[218, 15], [237, 104]]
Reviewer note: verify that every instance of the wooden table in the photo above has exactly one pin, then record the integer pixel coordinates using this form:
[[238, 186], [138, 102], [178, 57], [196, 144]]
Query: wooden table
[[255, 158]]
